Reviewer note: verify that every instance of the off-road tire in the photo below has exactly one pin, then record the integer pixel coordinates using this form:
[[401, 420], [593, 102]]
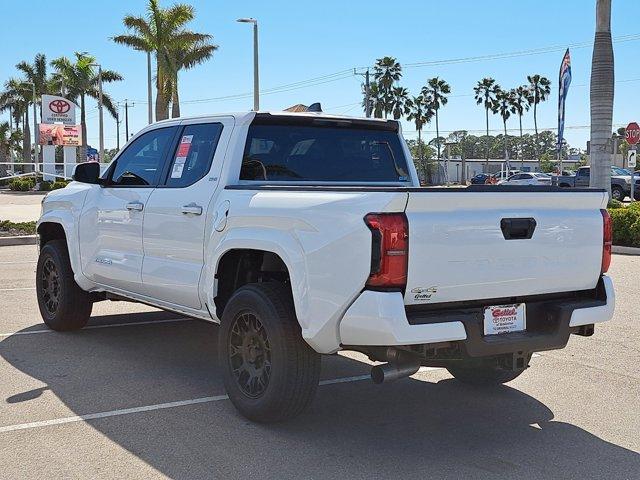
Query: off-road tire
[[482, 374], [617, 193], [71, 308], [294, 370]]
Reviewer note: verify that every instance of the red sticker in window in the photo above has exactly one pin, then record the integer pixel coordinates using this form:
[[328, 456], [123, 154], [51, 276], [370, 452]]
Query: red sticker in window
[[185, 146], [183, 149]]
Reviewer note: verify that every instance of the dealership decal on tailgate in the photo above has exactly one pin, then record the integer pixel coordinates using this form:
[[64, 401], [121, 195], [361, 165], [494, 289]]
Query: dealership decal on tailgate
[[504, 319]]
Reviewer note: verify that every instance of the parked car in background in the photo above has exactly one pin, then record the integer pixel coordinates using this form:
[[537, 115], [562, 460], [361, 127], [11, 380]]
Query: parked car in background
[[620, 182], [480, 179], [527, 178]]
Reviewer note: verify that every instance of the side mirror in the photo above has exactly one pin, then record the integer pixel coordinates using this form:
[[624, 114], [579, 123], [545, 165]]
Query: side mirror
[[88, 172]]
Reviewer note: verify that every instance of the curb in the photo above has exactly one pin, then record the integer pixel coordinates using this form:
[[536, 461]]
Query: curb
[[22, 240], [625, 250]]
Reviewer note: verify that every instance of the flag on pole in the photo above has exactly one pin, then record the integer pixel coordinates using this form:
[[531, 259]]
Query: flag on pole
[[563, 87]]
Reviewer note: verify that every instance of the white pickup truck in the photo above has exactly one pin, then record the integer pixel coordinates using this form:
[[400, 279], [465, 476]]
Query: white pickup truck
[[307, 234]]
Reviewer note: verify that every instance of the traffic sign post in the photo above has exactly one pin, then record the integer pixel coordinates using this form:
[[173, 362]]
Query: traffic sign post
[[632, 133], [632, 156], [632, 136]]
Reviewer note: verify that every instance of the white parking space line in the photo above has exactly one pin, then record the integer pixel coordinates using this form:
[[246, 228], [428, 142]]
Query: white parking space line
[[17, 289], [91, 327], [18, 263], [146, 408]]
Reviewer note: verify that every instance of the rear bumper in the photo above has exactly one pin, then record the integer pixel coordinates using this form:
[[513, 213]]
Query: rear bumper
[[380, 319]]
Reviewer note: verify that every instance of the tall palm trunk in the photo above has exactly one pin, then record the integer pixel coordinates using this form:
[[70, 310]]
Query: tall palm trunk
[[506, 154], [520, 146], [175, 100], [535, 127], [162, 103], [486, 110], [82, 151], [602, 78], [26, 140], [438, 135]]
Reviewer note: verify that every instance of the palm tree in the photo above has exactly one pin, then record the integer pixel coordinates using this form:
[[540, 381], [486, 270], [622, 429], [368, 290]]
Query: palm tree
[[485, 94], [399, 99], [420, 113], [437, 90], [17, 95], [504, 107], [81, 80], [36, 73], [386, 72], [186, 56], [162, 32], [9, 142], [602, 90], [539, 91], [520, 104], [376, 103]]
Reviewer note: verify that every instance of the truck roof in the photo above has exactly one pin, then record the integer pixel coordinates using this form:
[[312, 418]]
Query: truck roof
[[246, 116]]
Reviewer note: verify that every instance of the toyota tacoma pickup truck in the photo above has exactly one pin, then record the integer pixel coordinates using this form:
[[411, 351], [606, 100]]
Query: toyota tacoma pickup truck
[[307, 234]]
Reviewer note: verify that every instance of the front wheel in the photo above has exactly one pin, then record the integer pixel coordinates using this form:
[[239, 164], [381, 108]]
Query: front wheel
[[482, 374], [269, 371], [63, 304]]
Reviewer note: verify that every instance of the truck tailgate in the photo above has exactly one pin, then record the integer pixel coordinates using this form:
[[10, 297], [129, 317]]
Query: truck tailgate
[[474, 245]]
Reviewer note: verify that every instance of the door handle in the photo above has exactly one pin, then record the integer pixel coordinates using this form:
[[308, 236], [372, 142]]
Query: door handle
[[192, 209], [137, 206]]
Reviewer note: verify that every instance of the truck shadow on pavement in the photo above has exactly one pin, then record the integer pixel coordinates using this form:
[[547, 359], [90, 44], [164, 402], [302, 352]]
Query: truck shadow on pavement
[[353, 430]]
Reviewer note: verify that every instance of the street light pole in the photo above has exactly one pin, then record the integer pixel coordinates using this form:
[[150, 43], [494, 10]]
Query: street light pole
[[35, 126], [149, 95], [256, 81], [100, 113]]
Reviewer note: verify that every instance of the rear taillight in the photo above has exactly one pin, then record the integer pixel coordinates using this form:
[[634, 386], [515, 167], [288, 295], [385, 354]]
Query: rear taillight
[[607, 240], [389, 249]]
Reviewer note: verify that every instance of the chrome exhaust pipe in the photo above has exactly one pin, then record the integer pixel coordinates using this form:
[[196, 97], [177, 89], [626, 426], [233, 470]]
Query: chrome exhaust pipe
[[388, 372]]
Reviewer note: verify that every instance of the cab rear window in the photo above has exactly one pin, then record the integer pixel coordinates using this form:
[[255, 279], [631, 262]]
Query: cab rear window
[[319, 153]]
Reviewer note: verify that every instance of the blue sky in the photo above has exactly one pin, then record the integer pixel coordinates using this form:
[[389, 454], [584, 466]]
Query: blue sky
[[300, 41]]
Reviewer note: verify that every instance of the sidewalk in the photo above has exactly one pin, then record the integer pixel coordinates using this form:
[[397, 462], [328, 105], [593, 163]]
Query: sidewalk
[[20, 207]]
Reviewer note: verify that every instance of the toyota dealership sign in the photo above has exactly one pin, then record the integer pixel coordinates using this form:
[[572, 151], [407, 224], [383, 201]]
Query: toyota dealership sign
[[58, 110]]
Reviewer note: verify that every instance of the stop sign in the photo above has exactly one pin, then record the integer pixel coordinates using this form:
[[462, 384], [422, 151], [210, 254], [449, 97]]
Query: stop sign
[[632, 134]]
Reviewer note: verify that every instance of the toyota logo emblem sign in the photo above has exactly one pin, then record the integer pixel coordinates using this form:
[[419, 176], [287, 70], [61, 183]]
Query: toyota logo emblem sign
[[56, 109], [59, 106]]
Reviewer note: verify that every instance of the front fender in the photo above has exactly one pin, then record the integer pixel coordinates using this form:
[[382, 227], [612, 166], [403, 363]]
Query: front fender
[[64, 207]]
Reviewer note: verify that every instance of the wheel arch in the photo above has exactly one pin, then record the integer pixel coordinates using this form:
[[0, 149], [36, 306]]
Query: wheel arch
[[60, 226], [282, 255]]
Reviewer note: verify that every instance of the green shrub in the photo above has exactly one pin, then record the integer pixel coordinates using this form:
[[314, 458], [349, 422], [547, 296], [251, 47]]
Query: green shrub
[[45, 186], [21, 227], [22, 184], [59, 184], [615, 204], [626, 226], [634, 206]]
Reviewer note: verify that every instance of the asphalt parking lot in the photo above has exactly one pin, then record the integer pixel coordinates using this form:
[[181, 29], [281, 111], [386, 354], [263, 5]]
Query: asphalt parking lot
[[137, 394]]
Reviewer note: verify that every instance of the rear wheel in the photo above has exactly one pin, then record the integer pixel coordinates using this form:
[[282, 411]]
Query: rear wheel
[[617, 193], [270, 372], [482, 373], [62, 303]]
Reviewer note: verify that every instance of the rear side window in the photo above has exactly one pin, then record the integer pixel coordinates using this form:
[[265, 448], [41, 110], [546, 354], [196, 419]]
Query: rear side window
[[323, 154], [192, 158], [140, 164]]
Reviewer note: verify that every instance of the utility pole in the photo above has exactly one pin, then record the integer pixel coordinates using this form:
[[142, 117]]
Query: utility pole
[[126, 118], [367, 92], [118, 126], [101, 114]]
